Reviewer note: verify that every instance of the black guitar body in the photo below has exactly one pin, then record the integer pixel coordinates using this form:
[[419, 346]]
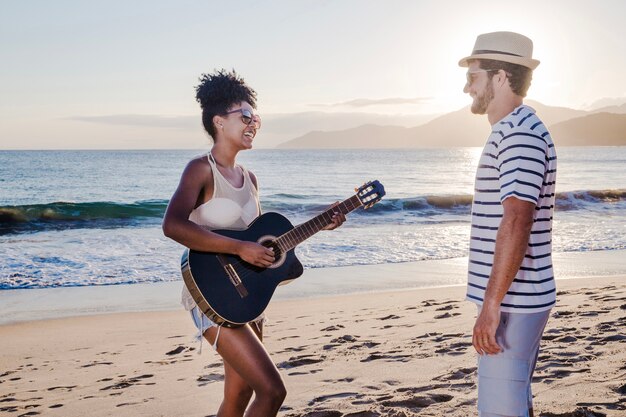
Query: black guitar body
[[230, 291]]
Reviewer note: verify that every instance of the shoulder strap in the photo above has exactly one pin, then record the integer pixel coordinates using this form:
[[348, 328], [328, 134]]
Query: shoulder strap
[[215, 172]]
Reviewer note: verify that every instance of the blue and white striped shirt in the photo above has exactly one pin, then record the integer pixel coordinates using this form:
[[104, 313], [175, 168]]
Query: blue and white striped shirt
[[518, 161]]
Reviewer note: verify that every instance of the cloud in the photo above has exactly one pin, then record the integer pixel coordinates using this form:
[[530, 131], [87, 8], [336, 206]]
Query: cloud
[[365, 102], [173, 122]]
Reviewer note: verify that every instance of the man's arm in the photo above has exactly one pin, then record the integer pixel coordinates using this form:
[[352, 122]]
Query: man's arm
[[511, 244]]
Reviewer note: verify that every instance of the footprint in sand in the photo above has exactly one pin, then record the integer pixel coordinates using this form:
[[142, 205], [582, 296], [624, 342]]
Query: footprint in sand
[[7, 373], [325, 398], [347, 340], [367, 413], [288, 337], [446, 315], [363, 401], [386, 357], [616, 405], [591, 313], [555, 374], [391, 382], [460, 373], [214, 365], [579, 412], [415, 390], [454, 349], [389, 317], [334, 413], [428, 303], [332, 328], [180, 349], [427, 335], [66, 388], [134, 403], [614, 338], [559, 314], [339, 380], [366, 344], [301, 361], [128, 382], [447, 336], [89, 365], [446, 308], [419, 402], [566, 339], [322, 413], [207, 379], [293, 349]]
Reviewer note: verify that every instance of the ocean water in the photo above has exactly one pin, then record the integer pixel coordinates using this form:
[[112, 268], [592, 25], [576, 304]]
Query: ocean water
[[77, 218]]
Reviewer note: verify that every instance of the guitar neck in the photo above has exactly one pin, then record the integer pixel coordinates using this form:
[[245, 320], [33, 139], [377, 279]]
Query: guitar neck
[[302, 232]]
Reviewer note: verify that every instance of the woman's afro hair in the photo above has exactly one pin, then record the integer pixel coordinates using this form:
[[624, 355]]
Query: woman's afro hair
[[218, 91]]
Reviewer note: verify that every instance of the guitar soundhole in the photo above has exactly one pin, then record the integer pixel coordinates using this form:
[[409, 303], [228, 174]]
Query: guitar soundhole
[[279, 256]]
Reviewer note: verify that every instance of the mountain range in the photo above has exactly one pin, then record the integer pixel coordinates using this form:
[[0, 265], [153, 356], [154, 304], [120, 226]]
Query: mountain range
[[605, 126]]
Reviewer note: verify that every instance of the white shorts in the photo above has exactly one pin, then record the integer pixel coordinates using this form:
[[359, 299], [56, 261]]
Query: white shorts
[[203, 323], [504, 379]]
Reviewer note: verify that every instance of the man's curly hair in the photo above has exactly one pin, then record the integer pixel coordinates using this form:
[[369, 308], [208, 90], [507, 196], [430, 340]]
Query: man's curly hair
[[217, 92]]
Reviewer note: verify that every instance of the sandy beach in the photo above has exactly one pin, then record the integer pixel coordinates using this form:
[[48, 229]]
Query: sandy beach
[[393, 353]]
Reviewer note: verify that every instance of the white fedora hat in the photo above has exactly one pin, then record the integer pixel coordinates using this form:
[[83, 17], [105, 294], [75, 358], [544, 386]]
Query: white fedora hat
[[503, 46]]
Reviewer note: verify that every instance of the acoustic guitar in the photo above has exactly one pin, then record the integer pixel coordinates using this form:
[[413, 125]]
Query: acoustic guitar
[[232, 292]]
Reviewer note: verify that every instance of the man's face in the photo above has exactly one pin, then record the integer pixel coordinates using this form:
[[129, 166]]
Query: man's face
[[480, 87]]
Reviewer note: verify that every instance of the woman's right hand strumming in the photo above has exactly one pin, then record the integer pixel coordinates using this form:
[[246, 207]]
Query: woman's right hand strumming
[[255, 254]]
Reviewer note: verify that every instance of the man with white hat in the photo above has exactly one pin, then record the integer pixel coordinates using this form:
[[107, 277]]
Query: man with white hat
[[510, 274]]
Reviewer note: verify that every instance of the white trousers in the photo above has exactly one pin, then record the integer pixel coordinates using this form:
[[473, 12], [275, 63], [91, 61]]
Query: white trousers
[[504, 379]]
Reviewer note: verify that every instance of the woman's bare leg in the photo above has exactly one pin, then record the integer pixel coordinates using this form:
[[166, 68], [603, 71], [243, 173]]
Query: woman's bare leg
[[247, 369]]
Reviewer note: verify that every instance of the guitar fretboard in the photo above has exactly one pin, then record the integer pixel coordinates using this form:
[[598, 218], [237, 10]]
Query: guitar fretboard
[[300, 233]]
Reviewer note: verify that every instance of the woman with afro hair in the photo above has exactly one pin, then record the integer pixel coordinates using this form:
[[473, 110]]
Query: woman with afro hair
[[216, 193]]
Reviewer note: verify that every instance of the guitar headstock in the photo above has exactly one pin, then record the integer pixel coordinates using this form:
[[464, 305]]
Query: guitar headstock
[[370, 193]]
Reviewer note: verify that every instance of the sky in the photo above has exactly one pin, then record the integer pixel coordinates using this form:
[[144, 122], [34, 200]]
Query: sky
[[121, 74]]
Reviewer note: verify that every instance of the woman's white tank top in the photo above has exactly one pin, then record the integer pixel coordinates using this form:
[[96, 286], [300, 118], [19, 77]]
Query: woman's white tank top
[[229, 208]]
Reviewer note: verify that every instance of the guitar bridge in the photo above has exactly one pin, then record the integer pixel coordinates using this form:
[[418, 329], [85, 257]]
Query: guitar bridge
[[234, 277]]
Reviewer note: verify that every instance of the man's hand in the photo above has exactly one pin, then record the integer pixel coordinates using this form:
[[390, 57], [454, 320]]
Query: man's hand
[[484, 336]]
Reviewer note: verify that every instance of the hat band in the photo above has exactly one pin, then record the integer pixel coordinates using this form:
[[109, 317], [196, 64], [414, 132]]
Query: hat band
[[488, 51]]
